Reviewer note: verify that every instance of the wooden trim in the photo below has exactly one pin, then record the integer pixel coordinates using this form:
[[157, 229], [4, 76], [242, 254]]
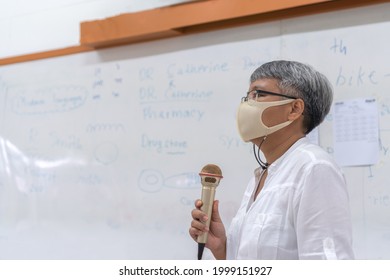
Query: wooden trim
[[46, 54], [188, 18], [323, 7], [129, 27]]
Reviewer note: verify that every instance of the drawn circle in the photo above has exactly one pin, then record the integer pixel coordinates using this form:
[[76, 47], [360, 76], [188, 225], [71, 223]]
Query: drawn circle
[[106, 153], [150, 181]]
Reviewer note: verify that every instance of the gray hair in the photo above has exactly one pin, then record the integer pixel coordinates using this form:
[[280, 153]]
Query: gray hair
[[302, 81]]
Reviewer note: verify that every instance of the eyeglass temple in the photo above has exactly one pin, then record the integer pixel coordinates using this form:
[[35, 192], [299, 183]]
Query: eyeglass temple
[[258, 91]]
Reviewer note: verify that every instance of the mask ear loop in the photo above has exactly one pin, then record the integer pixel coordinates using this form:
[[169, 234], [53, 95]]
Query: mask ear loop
[[264, 165]]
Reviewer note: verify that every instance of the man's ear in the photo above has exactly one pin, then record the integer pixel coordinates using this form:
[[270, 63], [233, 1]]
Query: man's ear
[[297, 108]]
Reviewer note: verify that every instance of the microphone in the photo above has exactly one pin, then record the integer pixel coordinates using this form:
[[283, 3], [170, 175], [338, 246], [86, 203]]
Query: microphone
[[210, 176]]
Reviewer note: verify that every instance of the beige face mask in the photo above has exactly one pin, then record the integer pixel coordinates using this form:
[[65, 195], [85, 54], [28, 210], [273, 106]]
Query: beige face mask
[[249, 119]]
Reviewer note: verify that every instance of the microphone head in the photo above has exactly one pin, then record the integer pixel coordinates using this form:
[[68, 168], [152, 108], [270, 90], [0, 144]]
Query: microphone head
[[211, 170], [210, 175]]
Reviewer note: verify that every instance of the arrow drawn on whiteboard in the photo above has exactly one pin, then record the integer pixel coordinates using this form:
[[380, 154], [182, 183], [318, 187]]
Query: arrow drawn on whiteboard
[[151, 180]]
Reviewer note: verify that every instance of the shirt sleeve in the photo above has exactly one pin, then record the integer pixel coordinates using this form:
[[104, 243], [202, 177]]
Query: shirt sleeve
[[322, 215]]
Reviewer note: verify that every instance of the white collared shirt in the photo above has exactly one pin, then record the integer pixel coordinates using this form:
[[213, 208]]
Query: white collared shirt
[[302, 212]]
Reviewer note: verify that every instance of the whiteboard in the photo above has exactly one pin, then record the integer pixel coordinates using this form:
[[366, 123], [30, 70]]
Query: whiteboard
[[100, 152]]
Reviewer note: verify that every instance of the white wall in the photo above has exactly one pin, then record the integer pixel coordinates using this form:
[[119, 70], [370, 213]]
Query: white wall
[[34, 26]]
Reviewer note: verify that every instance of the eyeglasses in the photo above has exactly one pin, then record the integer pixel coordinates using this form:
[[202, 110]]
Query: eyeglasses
[[257, 93]]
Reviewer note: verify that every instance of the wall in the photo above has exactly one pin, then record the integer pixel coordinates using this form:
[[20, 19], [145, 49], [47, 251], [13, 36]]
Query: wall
[[34, 26]]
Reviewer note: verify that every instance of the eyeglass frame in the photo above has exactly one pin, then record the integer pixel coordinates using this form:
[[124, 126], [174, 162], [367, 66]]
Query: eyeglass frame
[[258, 91]]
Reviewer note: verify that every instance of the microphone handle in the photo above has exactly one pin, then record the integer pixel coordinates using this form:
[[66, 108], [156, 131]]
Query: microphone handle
[[208, 194]]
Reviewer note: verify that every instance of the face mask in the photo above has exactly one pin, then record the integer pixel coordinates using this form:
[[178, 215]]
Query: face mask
[[249, 119]]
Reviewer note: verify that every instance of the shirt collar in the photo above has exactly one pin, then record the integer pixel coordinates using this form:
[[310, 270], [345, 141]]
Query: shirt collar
[[274, 166]]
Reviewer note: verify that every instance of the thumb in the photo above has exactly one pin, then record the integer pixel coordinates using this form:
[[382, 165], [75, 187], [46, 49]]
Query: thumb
[[215, 217]]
